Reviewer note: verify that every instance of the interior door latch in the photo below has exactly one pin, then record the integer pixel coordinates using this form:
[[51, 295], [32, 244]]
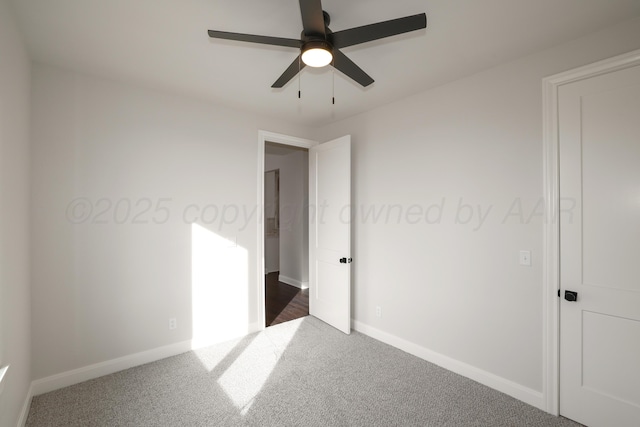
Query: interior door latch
[[346, 260], [571, 296]]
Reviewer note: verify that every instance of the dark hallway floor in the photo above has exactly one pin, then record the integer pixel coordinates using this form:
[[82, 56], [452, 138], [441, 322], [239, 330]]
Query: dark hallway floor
[[284, 302]]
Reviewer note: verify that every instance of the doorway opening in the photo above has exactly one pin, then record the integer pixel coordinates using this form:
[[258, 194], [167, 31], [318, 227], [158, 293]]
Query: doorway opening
[[286, 233]]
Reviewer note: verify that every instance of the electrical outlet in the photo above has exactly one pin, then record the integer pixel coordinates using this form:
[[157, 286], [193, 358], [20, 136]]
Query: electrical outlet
[[378, 311], [173, 323], [525, 258]]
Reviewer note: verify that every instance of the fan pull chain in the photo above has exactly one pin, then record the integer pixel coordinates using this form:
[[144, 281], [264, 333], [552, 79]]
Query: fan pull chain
[[333, 82], [299, 72]]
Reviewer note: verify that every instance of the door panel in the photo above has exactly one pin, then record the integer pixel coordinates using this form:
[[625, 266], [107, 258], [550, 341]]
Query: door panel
[[600, 248], [330, 232], [611, 173], [606, 341]]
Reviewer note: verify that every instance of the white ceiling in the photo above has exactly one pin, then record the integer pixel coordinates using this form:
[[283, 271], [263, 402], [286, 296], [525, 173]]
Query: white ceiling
[[164, 44]]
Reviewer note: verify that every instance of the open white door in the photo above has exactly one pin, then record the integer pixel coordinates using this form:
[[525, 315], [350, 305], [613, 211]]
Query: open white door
[[330, 233], [599, 249]]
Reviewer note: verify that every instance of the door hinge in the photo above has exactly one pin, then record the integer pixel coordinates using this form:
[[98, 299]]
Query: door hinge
[[558, 293], [346, 260]]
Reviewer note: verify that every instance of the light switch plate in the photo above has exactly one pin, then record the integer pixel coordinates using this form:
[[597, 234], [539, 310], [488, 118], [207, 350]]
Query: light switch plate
[[525, 258]]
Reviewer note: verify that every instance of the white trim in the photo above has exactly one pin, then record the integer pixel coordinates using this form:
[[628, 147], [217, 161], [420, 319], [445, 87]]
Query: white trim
[[605, 66], [551, 229], [263, 137], [261, 265], [280, 138], [293, 282], [513, 389], [550, 252], [65, 379], [26, 406], [96, 370]]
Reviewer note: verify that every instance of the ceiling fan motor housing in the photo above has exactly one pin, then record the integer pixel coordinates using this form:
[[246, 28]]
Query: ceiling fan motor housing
[[319, 46]]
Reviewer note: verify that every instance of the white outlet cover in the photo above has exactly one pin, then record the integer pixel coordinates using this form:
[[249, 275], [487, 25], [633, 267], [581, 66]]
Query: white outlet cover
[[525, 258]]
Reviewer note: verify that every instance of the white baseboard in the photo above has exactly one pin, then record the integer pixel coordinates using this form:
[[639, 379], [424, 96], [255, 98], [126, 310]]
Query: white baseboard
[[24, 414], [54, 382], [518, 391], [254, 327], [96, 370], [293, 282], [107, 367]]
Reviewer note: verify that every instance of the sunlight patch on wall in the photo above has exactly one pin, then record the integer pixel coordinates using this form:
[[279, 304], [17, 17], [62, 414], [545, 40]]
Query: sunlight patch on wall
[[3, 371], [220, 281]]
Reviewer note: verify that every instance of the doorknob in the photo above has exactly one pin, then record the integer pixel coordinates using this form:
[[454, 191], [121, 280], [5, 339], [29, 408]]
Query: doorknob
[[571, 296], [345, 260]]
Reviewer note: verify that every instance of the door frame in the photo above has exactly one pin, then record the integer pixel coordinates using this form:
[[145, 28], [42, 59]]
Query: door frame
[[551, 226], [264, 137]]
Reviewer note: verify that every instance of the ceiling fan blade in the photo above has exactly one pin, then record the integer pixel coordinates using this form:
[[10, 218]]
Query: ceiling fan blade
[[312, 18], [350, 69], [277, 41], [380, 30], [289, 73]]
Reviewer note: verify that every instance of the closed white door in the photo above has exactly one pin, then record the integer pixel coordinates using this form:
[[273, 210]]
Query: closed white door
[[599, 124], [330, 233]]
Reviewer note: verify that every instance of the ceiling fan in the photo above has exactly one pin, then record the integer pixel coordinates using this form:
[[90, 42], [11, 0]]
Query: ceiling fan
[[319, 46]]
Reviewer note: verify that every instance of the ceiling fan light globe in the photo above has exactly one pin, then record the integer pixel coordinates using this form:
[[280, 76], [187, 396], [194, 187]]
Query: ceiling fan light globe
[[317, 57]]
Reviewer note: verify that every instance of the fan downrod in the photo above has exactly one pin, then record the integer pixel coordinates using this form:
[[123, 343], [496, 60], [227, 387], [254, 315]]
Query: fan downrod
[[327, 18]]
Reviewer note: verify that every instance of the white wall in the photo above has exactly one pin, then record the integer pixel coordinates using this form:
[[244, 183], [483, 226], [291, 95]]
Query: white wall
[[462, 163], [294, 234], [104, 290], [271, 240], [15, 339], [272, 253], [294, 230], [106, 280]]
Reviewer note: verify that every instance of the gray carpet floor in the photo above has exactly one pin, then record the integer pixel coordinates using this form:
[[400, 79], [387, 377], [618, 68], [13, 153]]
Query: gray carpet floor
[[300, 373]]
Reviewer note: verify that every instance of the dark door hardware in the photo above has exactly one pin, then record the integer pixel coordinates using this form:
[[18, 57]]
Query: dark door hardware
[[346, 260], [571, 296]]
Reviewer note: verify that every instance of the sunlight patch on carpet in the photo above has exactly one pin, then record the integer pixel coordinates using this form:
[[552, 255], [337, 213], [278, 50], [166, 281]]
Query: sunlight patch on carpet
[[245, 378]]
